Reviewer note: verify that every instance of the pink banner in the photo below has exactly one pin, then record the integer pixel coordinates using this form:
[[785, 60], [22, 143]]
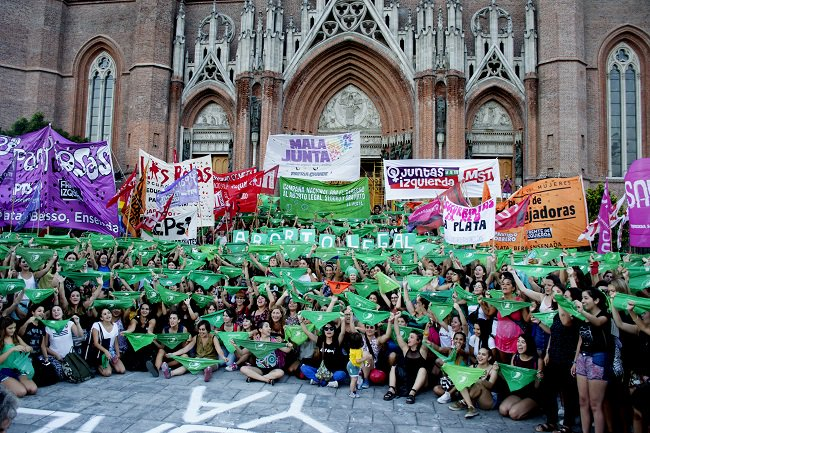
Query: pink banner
[[638, 194]]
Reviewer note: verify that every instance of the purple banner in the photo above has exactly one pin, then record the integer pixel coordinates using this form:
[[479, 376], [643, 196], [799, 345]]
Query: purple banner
[[638, 194], [76, 180], [603, 217]]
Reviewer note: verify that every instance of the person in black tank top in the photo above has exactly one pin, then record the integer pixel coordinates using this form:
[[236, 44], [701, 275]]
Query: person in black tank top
[[521, 403], [410, 370]]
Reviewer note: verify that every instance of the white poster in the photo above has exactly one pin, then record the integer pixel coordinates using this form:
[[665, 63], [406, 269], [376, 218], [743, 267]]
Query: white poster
[[324, 158], [468, 225], [179, 227], [413, 179], [161, 174]]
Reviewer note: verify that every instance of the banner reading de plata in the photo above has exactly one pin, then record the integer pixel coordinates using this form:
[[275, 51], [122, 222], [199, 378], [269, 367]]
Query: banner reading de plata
[[412, 179], [335, 157], [75, 181], [161, 174], [307, 197], [638, 193], [556, 215], [469, 225]]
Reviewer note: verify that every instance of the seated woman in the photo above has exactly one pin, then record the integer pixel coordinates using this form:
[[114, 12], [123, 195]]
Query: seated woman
[[16, 370], [206, 345], [174, 326], [521, 403], [480, 391], [410, 370], [375, 360], [445, 388], [269, 368], [57, 344], [143, 359], [103, 351], [328, 351]]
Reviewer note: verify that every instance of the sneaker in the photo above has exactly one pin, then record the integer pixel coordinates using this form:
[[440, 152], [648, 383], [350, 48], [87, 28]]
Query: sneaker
[[313, 382], [354, 395], [445, 398], [471, 412], [460, 405], [332, 384], [359, 383], [166, 371], [365, 384], [231, 367], [208, 373], [151, 368]]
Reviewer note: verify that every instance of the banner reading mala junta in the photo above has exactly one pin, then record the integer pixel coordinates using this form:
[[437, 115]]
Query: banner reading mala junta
[[556, 215], [307, 197]]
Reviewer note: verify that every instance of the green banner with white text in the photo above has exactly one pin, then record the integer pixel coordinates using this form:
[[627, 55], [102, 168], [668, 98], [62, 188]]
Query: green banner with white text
[[307, 197]]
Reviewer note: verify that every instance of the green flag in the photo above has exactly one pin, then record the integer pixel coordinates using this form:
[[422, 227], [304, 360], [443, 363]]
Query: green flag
[[101, 241], [462, 377], [416, 282], [371, 259], [126, 295], [385, 283], [641, 304], [56, 326], [216, 319], [364, 288], [415, 322], [206, 279], [536, 271], [138, 341], [191, 264], [517, 377], [151, 295], [546, 318], [83, 277], [282, 272], [295, 334], [201, 300], [405, 331], [322, 301], [303, 287], [437, 296], [422, 249], [173, 340], [231, 272], [235, 259], [446, 359], [494, 294], [226, 336], [568, 305], [37, 296], [170, 297], [259, 348], [36, 258], [507, 307], [134, 275], [198, 256], [440, 309], [195, 365], [463, 294], [236, 248], [122, 304], [356, 301], [320, 318], [368, 316], [232, 290], [171, 278], [436, 258], [72, 266]]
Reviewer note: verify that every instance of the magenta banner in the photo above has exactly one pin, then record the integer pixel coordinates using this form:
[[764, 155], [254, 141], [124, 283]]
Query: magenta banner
[[75, 181], [638, 194]]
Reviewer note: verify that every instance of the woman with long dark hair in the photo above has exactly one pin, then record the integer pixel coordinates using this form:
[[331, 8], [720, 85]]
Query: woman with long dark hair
[[328, 351], [592, 360]]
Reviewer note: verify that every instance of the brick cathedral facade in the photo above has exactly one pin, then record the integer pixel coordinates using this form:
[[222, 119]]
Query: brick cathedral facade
[[553, 88]]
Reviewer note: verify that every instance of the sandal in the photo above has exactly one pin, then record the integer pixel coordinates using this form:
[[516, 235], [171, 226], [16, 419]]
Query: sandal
[[563, 429], [545, 428], [411, 397], [390, 394]]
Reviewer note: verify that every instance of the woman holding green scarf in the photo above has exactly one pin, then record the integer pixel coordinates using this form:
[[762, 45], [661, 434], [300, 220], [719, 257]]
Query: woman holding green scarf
[[16, 369], [103, 352]]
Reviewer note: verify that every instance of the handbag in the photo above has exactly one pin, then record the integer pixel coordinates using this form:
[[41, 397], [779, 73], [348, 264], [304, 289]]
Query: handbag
[[322, 373], [45, 373]]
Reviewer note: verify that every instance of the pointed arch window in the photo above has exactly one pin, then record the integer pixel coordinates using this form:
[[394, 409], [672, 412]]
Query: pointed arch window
[[624, 120], [101, 85]]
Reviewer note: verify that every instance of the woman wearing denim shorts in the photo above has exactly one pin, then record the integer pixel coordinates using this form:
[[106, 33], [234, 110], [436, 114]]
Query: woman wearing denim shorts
[[592, 358]]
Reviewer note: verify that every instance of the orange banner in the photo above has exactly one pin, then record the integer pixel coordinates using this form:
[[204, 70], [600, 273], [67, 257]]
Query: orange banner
[[556, 216]]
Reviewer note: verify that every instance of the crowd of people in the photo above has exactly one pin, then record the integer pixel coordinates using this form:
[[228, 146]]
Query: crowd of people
[[404, 319]]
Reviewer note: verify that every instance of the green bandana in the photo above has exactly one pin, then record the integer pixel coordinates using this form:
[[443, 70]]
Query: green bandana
[[319, 318], [235, 259], [201, 300], [641, 304], [37, 296], [236, 248], [639, 283], [171, 279], [326, 254], [416, 282], [405, 331], [462, 377], [446, 359], [55, 241], [173, 341], [494, 294], [294, 273], [404, 269], [122, 304], [138, 341], [170, 297], [295, 334], [72, 266], [437, 296], [151, 295], [300, 300], [415, 322], [36, 258], [368, 316], [135, 275], [568, 305], [545, 255], [507, 307], [260, 349], [366, 287], [303, 287], [466, 256], [206, 279], [440, 309], [83, 277], [191, 264], [197, 256], [56, 326], [386, 284], [293, 251], [356, 301], [195, 365], [232, 290], [216, 319], [463, 294], [546, 318], [517, 377], [321, 300], [436, 258], [126, 295], [536, 271], [226, 336], [422, 249], [337, 230], [231, 272], [371, 259]]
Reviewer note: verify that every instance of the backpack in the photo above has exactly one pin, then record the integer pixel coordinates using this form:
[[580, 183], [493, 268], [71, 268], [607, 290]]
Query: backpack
[[45, 373], [75, 369]]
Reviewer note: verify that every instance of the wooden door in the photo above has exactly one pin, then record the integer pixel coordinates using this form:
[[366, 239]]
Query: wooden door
[[506, 166]]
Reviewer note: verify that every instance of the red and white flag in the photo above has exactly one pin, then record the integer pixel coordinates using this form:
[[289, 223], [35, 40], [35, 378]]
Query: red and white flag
[[513, 216], [593, 228], [125, 190]]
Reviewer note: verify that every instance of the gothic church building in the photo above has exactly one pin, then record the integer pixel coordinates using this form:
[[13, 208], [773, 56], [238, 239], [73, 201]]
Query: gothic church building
[[552, 88]]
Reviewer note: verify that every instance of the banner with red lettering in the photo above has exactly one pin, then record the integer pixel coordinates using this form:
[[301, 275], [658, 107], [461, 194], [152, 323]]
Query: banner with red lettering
[[161, 174], [467, 224], [240, 187], [413, 179]]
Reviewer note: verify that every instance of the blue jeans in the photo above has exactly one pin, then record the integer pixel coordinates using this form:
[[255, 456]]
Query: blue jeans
[[310, 373]]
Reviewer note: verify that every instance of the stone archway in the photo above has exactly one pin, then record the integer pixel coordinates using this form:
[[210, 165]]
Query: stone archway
[[210, 134]]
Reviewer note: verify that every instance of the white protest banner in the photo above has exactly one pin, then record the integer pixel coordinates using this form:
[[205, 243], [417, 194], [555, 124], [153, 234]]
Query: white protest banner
[[161, 174], [413, 179], [180, 227], [469, 225], [324, 158]]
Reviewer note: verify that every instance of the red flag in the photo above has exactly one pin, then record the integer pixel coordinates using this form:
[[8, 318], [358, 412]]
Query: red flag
[[125, 190], [513, 216], [337, 287], [132, 214]]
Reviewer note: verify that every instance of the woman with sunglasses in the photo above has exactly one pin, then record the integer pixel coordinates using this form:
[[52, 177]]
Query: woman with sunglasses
[[328, 350]]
